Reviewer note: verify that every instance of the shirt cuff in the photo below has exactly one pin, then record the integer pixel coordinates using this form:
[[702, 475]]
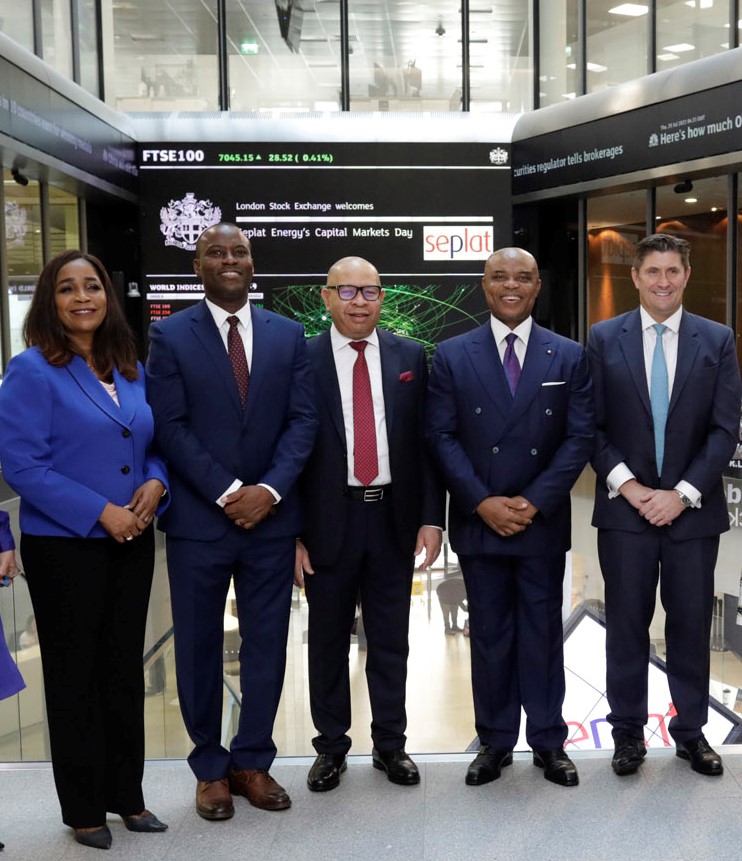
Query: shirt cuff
[[691, 492], [616, 477], [273, 493], [235, 485]]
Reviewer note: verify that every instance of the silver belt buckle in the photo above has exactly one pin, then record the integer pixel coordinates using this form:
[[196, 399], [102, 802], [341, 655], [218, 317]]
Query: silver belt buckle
[[373, 494]]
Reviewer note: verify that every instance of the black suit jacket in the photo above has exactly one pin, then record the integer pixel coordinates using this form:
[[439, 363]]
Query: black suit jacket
[[417, 495]]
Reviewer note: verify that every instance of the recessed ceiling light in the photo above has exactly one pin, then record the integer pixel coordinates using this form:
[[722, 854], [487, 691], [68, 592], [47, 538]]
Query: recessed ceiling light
[[596, 67], [633, 10], [667, 57], [691, 200], [680, 48]]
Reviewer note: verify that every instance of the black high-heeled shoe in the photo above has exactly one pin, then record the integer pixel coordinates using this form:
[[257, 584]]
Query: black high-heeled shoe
[[145, 821], [98, 838]]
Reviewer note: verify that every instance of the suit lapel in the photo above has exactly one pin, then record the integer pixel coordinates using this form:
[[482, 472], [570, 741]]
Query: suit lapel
[[91, 387], [632, 346], [326, 379], [205, 330], [540, 353], [482, 351], [688, 344], [391, 368]]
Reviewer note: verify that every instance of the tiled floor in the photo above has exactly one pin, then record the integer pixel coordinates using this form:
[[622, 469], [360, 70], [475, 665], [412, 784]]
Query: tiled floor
[[665, 812]]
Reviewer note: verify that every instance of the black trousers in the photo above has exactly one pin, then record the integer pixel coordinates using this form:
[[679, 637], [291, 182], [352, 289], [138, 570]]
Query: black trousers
[[90, 597], [372, 564], [632, 563]]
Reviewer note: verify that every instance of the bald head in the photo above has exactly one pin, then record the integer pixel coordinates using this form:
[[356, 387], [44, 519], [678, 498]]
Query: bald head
[[356, 317], [511, 284]]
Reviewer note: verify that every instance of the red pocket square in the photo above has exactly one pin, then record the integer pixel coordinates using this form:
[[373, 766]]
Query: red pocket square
[[406, 377]]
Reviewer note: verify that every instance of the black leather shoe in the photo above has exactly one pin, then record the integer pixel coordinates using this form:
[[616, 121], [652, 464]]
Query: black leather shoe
[[98, 838], [144, 822], [398, 766], [629, 754], [703, 758], [557, 766], [487, 765], [325, 771]]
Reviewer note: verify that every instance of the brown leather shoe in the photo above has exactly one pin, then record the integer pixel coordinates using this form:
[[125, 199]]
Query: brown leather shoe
[[213, 800], [259, 788]]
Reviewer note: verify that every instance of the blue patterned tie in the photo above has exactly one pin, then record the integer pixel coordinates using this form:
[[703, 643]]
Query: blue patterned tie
[[511, 364], [659, 395]]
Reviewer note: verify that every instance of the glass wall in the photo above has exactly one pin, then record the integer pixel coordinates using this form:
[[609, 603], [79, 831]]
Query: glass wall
[[616, 43], [87, 35], [63, 221], [690, 29], [23, 251], [699, 215], [501, 59], [56, 30], [558, 52], [615, 223], [16, 22]]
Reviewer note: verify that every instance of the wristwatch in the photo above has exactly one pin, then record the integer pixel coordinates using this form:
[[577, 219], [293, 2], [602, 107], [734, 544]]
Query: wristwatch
[[686, 500]]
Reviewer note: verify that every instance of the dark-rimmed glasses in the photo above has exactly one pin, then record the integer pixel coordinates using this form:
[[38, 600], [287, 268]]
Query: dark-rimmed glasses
[[348, 292]]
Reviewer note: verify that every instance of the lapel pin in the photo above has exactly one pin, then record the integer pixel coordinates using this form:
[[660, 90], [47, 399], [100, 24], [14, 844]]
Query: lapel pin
[[549, 352]]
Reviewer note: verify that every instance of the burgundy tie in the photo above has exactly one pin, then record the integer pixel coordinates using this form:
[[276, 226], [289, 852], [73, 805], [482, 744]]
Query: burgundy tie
[[511, 364], [365, 458], [236, 350]]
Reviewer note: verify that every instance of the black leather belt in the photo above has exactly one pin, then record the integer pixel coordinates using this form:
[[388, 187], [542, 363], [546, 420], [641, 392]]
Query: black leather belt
[[368, 494]]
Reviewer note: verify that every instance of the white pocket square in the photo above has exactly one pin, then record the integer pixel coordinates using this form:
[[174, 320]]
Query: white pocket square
[[561, 383]]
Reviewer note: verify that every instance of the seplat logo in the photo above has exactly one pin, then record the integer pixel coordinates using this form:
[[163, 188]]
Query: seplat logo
[[458, 242]]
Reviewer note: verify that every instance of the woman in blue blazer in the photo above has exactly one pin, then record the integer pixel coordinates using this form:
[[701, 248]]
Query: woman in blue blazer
[[75, 443]]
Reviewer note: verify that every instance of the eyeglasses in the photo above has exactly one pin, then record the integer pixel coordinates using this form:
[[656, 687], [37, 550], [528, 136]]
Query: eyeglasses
[[348, 292]]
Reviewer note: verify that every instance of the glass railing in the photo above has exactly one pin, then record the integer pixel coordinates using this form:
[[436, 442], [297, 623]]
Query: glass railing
[[439, 702]]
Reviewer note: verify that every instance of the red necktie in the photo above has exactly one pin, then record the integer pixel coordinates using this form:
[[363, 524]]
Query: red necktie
[[236, 350], [365, 459], [511, 364]]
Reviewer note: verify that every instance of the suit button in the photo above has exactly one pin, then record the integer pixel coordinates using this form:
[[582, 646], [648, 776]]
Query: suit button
[[548, 412], [125, 433], [495, 450], [125, 470], [534, 451], [477, 411]]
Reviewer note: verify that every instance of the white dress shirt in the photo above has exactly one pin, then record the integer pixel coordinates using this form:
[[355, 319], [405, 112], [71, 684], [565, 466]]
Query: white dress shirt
[[520, 344], [621, 472], [244, 328], [345, 357]]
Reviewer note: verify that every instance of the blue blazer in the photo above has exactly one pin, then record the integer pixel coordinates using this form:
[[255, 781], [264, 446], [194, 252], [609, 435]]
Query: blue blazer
[[67, 449], [702, 424], [207, 439], [417, 497], [489, 443]]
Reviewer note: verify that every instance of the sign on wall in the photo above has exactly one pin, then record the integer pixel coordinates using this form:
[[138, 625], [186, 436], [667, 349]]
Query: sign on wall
[[427, 215]]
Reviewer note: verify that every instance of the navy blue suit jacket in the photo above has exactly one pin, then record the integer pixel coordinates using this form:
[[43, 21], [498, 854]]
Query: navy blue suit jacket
[[207, 439], [67, 449], [702, 424], [489, 443], [418, 498]]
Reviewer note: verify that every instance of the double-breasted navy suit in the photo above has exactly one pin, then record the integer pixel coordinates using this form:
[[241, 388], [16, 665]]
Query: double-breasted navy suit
[[209, 442], [700, 437], [365, 547], [534, 444]]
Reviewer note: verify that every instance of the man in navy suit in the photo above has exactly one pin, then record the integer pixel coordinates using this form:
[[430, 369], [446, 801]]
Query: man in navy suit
[[232, 396], [510, 419], [365, 519], [667, 395]]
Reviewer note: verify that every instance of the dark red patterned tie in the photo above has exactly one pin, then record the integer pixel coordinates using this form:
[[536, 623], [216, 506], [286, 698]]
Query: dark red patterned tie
[[511, 364], [236, 350], [365, 458]]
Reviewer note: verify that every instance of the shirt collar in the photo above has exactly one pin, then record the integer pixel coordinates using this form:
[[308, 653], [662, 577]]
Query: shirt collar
[[501, 331], [672, 322], [339, 341], [220, 315]]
